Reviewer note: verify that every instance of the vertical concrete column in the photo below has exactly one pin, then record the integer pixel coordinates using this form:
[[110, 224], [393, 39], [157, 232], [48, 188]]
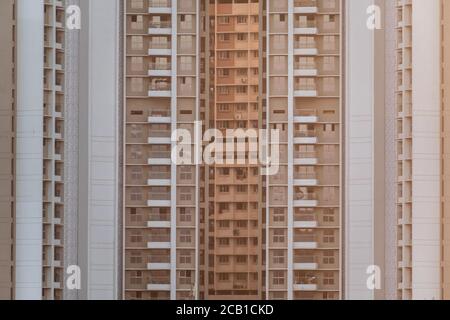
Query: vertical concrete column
[[29, 148]]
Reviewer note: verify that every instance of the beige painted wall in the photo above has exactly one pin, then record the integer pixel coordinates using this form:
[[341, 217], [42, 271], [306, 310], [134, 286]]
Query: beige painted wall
[[445, 127]]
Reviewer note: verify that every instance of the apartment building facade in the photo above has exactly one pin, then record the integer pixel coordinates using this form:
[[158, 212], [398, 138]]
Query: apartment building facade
[[87, 176], [242, 224]]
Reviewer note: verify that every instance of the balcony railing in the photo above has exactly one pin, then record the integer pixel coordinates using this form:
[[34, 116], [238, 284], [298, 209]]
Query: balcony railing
[[160, 154], [305, 45], [305, 259], [305, 134], [160, 66], [159, 4], [158, 259], [159, 175], [159, 45], [305, 196], [158, 196], [160, 24], [160, 87], [159, 217], [159, 113], [305, 155], [304, 238]]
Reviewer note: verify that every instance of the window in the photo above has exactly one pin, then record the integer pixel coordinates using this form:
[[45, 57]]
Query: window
[[223, 277], [137, 84], [278, 236], [136, 194], [278, 278], [223, 37], [185, 257], [185, 215], [224, 55], [185, 236], [328, 258], [224, 107], [278, 257], [224, 242], [241, 19], [223, 20], [223, 73], [241, 259], [136, 173], [137, 43], [241, 54], [328, 236], [136, 277], [328, 279], [136, 131], [241, 36], [186, 277], [224, 259], [136, 237], [136, 258]]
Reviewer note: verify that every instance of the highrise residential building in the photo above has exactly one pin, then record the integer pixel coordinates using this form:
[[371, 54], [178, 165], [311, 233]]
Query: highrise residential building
[[92, 119], [59, 178]]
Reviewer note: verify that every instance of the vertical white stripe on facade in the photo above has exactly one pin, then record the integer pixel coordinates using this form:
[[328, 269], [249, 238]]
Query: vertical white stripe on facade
[[359, 154], [426, 150], [29, 149], [99, 220], [173, 189]]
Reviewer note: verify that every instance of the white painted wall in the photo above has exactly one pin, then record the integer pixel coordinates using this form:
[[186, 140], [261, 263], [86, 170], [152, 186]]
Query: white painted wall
[[426, 150], [99, 150], [359, 154], [29, 148]]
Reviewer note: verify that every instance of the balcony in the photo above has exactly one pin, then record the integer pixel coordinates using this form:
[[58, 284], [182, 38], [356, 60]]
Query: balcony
[[305, 287], [160, 158], [159, 116], [158, 266], [305, 158], [159, 179], [159, 137], [306, 116], [160, 89], [305, 263], [158, 285], [160, 7], [306, 200], [160, 224], [159, 242], [305, 48], [159, 49], [305, 221], [305, 241], [305, 28], [305, 7], [160, 28], [305, 137], [156, 200], [305, 180], [160, 70], [307, 92], [308, 70]]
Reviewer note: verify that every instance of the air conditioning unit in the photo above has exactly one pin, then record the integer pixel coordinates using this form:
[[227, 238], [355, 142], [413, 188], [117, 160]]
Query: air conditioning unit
[[244, 80], [238, 116]]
